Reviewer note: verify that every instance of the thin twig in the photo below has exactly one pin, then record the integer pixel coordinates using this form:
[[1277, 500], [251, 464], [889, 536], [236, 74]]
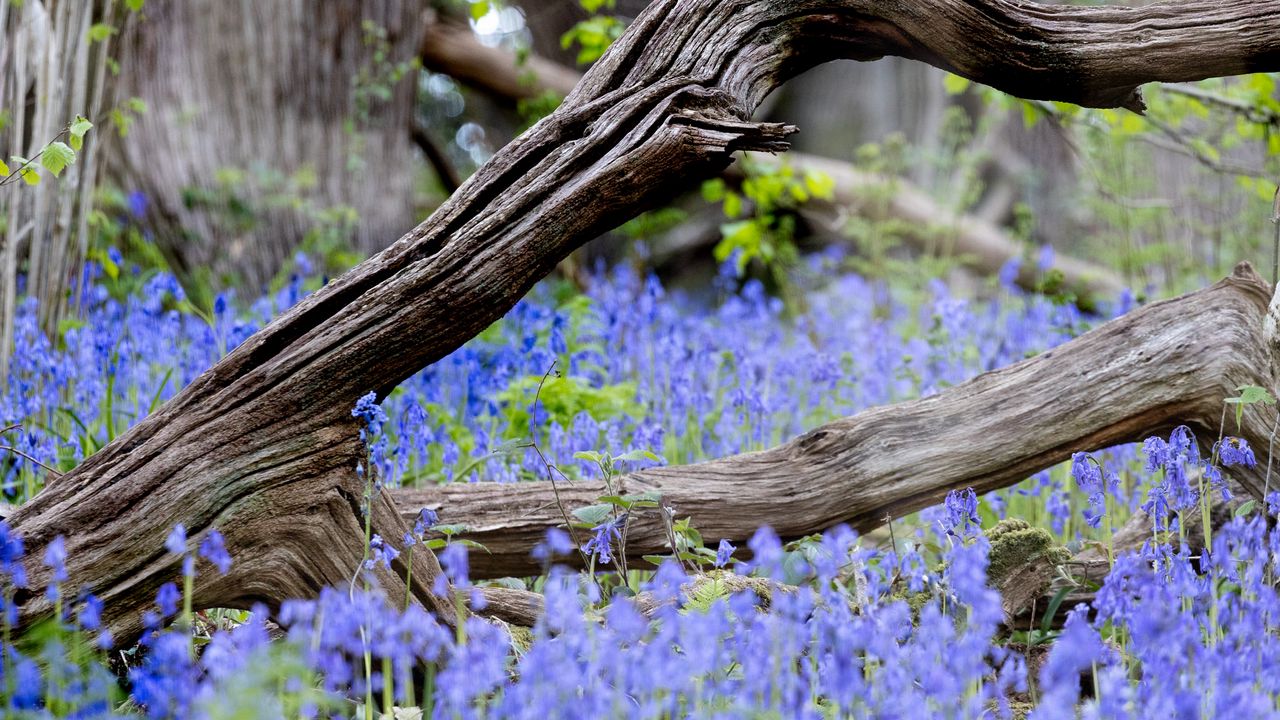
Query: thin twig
[[552, 469], [20, 453], [14, 174]]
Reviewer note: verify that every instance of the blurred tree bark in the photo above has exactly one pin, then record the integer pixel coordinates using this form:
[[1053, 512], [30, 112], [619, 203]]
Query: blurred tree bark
[[265, 121]]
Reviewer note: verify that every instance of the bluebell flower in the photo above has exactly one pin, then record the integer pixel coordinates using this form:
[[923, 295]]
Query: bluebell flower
[[11, 551], [369, 412], [724, 553], [55, 558], [1236, 451], [556, 543], [453, 559], [90, 616], [1009, 271], [167, 599], [136, 203], [602, 539], [1046, 258], [176, 543], [427, 519], [214, 549], [380, 553], [167, 681], [1087, 473], [962, 513]]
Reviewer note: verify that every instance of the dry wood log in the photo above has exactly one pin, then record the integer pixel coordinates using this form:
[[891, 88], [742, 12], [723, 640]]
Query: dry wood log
[[263, 444], [978, 243], [1167, 364]]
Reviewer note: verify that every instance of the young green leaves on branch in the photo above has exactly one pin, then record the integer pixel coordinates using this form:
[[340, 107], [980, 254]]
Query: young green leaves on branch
[[54, 157], [762, 215], [595, 34], [1249, 395]]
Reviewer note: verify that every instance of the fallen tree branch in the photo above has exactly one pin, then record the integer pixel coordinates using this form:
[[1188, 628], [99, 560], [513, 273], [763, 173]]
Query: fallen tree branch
[[263, 445], [454, 50], [1167, 364], [978, 243]]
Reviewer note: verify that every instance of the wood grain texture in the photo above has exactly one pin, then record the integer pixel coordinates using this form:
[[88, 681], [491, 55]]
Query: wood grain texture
[[263, 445]]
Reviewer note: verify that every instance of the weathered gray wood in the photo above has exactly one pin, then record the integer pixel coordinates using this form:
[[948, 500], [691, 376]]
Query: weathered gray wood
[[1167, 364], [263, 445]]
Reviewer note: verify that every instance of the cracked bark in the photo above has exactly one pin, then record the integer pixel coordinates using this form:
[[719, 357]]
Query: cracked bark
[[262, 445]]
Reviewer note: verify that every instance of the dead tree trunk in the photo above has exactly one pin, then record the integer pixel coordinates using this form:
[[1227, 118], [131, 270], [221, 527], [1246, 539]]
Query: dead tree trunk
[[263, 445]]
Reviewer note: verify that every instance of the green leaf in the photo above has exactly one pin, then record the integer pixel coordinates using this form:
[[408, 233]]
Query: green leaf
[[1250, 394], [1052, 610], [479, 9], [100, 31], [449, 530], [134, 5], [638, 455], [954, 84], [820, 185], [56, 157], [593, 515], [645, 497], [29, 175], [155, 400], [588, 455], [1246, 507], [1029, 114], [713, 190], [471, 544], [77, 129], [4, 169], [109, 266]]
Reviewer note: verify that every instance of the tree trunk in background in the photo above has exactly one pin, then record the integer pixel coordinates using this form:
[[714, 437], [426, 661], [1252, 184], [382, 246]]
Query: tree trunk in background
[[262, 116]]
